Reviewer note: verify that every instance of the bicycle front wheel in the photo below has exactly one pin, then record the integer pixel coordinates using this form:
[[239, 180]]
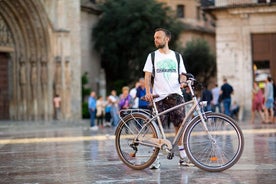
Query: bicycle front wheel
[[135, 155], [217, 149]]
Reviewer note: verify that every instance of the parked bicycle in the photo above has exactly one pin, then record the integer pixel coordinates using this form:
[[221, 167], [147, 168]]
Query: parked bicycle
[[213, 141]]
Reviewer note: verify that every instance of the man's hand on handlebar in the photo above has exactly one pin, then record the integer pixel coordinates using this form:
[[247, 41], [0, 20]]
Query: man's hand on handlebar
[[149, 97], [183, 85]]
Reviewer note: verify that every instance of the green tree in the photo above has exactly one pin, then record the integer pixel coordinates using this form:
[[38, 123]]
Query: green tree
[[199, 60], [124, 36], [84, 93]]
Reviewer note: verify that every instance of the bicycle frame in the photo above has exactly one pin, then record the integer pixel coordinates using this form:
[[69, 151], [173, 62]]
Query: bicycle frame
[[162, 142]]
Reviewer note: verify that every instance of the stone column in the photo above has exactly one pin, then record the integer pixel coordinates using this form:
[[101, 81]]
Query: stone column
[[57, 83], [44, 89], [67, 93], [23, 88], [34, 90]]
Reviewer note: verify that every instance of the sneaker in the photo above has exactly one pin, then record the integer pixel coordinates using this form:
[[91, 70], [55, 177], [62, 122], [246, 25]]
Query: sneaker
[[95, 128], [156, 164], [185, 162]]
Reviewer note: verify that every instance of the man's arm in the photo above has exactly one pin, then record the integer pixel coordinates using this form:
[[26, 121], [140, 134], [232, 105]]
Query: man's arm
[[148, 85], [182, 80]]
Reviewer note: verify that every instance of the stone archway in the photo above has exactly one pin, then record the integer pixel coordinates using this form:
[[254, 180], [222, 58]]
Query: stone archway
[[24, 27]]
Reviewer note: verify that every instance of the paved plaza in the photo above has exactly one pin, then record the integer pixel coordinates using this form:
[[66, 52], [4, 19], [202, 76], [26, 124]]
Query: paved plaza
[[69, 152]]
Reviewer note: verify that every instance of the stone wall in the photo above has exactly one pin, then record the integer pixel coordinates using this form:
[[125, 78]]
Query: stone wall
[[45, 58], [234, 47], [91, 62]]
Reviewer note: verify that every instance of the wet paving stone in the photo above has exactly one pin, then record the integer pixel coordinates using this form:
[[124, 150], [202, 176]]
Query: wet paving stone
[[68, 152]]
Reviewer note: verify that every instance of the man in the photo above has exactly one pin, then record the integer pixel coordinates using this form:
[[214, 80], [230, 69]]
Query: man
[[141, 91], [226, 91], [113, 99], [166, 82], [207, 96], [57, 105], [268, 104], [215, 102], [132, 93], [92, 110]]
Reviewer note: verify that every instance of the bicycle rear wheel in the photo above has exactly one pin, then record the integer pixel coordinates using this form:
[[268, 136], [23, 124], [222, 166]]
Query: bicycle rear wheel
[[219, 151], [135, 155]]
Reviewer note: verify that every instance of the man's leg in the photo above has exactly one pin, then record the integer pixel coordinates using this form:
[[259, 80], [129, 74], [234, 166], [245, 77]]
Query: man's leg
[[227, 104]]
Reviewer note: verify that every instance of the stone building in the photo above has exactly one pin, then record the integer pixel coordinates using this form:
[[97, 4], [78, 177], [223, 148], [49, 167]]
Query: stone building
[[46, 46], [40, 56], [196, 23], [245, 43]]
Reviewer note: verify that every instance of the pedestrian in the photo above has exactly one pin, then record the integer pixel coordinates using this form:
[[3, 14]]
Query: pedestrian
[[226, 91], [166, 68], [126, 100], [108, 113], [234, 110], [132, 93], [215, 103], [141, 91], [92, 110], [268, 104], [100, 112], [207, 96], [257, 102], [114, 111], [57, 107]]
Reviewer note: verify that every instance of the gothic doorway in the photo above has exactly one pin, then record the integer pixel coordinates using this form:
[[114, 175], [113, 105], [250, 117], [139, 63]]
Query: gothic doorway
[[4, 95]]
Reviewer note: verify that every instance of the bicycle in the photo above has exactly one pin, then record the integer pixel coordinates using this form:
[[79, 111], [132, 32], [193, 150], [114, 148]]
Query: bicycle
[[212, 141]]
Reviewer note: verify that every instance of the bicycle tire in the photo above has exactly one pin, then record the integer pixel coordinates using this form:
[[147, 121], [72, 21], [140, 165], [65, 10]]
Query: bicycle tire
[[134, 155], [216, 154]]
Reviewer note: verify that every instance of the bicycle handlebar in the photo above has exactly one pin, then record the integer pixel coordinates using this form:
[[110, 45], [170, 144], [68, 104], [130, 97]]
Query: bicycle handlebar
[[189, 76]]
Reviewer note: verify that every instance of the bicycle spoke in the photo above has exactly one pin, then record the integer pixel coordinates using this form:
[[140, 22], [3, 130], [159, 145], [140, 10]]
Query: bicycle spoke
[[128, 135], [217, 149]]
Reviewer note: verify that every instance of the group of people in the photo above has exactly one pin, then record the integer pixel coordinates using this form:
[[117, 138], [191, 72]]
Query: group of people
[[106, 112], [219, 99], [103, 112], [264, 102]]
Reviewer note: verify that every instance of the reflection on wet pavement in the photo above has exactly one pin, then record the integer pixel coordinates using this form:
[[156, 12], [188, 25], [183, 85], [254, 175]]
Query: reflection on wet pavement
[[52, 152]]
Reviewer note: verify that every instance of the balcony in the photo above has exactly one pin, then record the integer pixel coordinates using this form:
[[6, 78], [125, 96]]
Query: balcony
[[233, 3]]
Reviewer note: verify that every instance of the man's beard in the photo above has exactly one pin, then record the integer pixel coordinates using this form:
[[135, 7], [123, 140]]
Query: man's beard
[[160, 46]]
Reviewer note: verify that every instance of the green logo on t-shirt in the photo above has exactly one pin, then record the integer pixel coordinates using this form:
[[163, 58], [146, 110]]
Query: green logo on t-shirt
[[167, 67]]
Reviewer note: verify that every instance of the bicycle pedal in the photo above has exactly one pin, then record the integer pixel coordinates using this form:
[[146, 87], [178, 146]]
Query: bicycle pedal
[[170, 156]]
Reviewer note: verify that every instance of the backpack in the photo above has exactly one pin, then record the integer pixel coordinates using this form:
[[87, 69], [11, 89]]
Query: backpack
[[152, 54]]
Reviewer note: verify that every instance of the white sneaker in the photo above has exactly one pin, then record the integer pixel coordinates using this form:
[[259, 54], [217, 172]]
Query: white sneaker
[[156, 164], [94, 128], [185, 162]]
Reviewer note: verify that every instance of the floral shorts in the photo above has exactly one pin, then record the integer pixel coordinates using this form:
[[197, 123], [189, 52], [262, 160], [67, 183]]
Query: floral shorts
[[176, 116]]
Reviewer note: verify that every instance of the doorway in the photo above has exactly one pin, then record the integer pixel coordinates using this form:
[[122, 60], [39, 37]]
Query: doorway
[[4, 86], [264, 55]]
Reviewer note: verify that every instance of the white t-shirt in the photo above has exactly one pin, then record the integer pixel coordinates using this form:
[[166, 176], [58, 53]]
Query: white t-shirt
[[132, 93], [166, 73], [215, 93]]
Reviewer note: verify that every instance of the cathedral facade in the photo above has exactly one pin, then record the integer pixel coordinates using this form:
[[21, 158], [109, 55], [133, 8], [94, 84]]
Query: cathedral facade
[[40, 56]]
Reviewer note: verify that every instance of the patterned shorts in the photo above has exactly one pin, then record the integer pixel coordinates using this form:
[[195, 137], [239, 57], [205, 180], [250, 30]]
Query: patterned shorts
[[176, 116]]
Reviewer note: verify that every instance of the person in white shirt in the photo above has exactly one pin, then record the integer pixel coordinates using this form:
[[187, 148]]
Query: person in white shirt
[[215, 104], [167, 82], [132, 93]]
